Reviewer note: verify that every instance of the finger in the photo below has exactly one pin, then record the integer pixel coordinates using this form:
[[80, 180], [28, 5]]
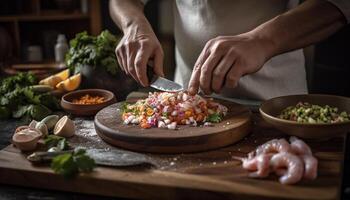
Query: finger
[[123, 57], [119, 60], [233, 76], [130, 62], [207, 70], [193, 85], [141, 60], [158, 62], [220, 72]]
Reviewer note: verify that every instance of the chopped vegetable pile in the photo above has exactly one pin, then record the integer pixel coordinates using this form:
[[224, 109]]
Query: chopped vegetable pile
[[167, 110], [309, 113]]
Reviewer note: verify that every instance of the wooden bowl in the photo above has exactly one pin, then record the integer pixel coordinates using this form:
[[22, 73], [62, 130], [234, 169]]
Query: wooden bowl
[[83, 109], [270, 110]]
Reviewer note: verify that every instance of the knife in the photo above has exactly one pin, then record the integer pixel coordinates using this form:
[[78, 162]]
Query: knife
[[103, 157], [161, 83]]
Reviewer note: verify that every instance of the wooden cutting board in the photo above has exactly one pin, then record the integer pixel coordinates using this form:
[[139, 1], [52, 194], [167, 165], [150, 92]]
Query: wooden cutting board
[[205, 175], [236, 124]]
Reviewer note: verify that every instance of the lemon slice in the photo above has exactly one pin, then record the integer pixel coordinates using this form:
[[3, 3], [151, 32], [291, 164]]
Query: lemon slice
[[55, 79], [70, 84], [63, 74]]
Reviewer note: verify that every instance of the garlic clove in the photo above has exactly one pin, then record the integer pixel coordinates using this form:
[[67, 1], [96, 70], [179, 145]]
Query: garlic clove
[[42, 128], [51, 121], [33, 124], [64, 127]]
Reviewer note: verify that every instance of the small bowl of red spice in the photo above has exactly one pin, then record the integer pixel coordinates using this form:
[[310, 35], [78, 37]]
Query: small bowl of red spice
[[87, 102]]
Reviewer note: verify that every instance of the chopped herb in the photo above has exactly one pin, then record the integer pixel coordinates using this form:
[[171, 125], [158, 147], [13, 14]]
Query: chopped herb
[[214, 118], [56, 141], [70, 164]]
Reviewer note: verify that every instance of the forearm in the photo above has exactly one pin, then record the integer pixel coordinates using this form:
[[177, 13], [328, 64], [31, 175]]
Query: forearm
[[128, 13], [311, 22]]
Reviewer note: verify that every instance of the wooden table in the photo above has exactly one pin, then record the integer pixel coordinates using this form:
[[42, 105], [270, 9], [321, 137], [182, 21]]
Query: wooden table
[[206, 175]]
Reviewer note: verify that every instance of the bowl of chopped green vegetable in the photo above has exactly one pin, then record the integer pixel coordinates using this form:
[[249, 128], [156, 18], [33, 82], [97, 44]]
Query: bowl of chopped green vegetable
[[311, 116]]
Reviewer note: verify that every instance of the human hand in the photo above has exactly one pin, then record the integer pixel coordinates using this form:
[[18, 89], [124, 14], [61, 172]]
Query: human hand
[[139, 46], [225, 59]]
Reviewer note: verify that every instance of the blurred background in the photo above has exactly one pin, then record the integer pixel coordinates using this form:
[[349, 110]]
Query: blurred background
[[29, 30]]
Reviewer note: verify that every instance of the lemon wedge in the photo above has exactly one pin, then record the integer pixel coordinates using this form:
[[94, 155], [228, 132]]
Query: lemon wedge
[[63, 74], [72, 83], [55, 79]]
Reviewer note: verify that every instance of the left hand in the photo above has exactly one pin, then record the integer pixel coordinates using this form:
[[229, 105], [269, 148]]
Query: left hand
[[225, 59]]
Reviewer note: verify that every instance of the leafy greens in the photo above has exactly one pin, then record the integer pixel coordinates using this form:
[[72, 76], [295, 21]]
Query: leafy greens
[[18, 100], [93, 51]]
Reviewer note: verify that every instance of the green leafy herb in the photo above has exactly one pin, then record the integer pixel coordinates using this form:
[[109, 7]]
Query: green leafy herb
[[214, 118], [17, 98], [70, 164], [93, 51], [56, 141]]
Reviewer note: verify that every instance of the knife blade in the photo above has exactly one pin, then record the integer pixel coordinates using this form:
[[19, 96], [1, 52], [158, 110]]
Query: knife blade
[[161, 83], [103, 157]]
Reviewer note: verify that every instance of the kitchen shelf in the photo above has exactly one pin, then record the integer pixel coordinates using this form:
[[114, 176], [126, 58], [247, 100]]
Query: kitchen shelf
[[38, 22], [51, 17]]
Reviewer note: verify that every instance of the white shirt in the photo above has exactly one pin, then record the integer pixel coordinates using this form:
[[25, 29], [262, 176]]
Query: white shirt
[[198, 21]]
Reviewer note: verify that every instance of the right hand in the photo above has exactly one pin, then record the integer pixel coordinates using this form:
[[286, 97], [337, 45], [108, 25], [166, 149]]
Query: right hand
[[136, 49]]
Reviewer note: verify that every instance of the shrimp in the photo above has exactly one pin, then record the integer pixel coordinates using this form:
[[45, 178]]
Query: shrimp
[[272, 146], [259, 165], [311, 164], [293, 164], [300, 148]]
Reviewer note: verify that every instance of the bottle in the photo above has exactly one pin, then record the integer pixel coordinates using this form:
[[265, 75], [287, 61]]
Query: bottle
[[61, 48]]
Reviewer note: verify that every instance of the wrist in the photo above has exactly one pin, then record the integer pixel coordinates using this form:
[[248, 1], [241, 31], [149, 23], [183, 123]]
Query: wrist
[[136, 24], [265, 40]]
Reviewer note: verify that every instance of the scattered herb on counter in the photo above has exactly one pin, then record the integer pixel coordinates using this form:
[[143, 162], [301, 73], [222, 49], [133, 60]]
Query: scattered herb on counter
[[56, 141], [70, 164], [214, 118], [18, 100], [93, 51]]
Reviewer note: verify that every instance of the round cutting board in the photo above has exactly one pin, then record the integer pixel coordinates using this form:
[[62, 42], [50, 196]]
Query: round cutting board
[[236, 124]]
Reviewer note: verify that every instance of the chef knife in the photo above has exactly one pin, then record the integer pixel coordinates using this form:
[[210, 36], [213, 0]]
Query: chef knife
[[161, 83], [103, 157]]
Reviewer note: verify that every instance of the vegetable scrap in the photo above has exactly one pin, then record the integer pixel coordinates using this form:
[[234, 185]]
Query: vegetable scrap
[[168, 110], [88, 100], [305, 112]]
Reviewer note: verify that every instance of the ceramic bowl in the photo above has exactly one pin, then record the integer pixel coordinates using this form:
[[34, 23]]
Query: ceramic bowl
[[86, 110], [270, 110]]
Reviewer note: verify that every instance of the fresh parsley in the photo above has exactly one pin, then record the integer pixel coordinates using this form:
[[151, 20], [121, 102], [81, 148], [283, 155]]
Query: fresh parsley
[[70, 164], [18, 100], [56, 141], [214, 118], [93, 51]]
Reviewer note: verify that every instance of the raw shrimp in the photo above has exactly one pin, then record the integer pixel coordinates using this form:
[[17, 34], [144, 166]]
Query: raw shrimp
[[300, 148], [272, 146], [259, 165], [293, 165], [311, 164]]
